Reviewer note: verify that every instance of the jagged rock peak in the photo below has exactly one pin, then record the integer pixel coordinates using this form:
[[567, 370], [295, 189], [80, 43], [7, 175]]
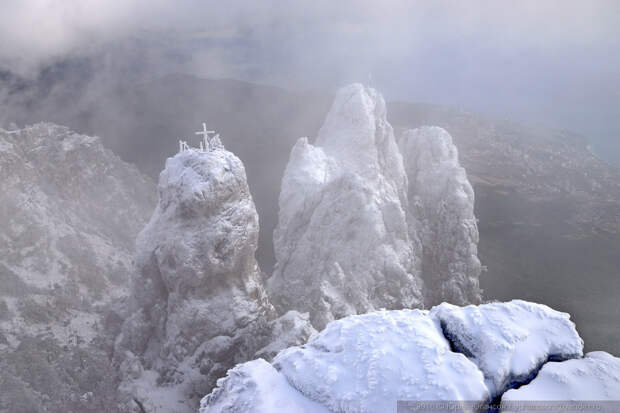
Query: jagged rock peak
[[200, 303], [358, 136], [441, 214], [342, 245]]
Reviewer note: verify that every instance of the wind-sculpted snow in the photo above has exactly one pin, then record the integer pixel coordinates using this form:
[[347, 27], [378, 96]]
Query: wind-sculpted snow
[[342, 244], [594, 377], [441, 214], [366, 363], [509, 341], [200, 305], [257, 387]]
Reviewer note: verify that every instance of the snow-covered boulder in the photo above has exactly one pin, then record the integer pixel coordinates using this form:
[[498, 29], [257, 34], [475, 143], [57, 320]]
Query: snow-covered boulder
[[342, 245], [200, 304], [441, 214], [366, 363], [594, 377], [257, 387], [510, 341]]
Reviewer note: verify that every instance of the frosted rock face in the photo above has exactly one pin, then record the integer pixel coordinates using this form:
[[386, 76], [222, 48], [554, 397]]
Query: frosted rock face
[[290, 329], [256, 387], [509, 341], [200, 303], [366, 363], [441, 213], [342, 245], [70, 211], [594, 377]]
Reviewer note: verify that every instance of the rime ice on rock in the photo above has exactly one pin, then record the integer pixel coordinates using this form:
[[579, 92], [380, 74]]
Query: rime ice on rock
[[365, 363], [509, 341], [441, 213], [200, 305], [256, 387], [358, 364], [342, 245]]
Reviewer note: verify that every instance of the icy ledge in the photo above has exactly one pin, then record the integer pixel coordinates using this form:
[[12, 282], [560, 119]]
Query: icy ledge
[[365, 363]]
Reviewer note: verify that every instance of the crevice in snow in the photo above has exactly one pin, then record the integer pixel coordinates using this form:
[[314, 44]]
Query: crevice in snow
[[140, 405], [455, 344], [512, 382]]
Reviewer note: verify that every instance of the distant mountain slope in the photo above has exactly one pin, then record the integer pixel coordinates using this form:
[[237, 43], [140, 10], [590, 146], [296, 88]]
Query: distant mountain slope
[[549, 216], [548, 209], [70, 211]]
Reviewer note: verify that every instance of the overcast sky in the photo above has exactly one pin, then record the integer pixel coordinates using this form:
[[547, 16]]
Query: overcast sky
[[555, 62]]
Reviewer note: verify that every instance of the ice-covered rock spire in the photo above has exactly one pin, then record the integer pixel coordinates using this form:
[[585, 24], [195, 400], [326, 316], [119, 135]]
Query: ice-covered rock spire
[[200, 304], [342, 245], [441, 214]]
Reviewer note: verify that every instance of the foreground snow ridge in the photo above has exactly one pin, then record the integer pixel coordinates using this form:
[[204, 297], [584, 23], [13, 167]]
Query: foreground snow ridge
[[509, 341], [594, 377], [366, 363]]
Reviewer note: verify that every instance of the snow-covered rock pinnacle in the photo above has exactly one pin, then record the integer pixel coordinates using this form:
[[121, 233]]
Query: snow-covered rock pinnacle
[[441, 214], [200, 303], [342, 245]]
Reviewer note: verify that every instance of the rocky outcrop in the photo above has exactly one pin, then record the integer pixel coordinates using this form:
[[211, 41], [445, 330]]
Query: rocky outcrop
[[362, 227], [200, 305], [368, 363], [509, 342], [69, 211], [342, 244], [441, 214]]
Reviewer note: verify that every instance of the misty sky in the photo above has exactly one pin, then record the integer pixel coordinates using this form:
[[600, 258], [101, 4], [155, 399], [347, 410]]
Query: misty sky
[[553, 62]]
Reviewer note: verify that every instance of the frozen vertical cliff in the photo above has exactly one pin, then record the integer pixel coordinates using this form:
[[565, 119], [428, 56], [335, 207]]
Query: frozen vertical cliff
[[365, 224], [342, 244], [441, 213], [200, 304]]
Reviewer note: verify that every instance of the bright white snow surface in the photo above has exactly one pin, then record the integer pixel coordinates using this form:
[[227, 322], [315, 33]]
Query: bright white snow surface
[[256, 387], [361, 363], [366, 363], [594, 377], [509, 341]]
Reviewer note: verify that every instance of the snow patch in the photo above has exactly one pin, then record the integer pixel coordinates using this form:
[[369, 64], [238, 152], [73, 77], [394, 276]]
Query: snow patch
[[365, 363], [510, 341]]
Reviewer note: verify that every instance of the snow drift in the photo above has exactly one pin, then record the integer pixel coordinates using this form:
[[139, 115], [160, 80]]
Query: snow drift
[[366, 363]]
